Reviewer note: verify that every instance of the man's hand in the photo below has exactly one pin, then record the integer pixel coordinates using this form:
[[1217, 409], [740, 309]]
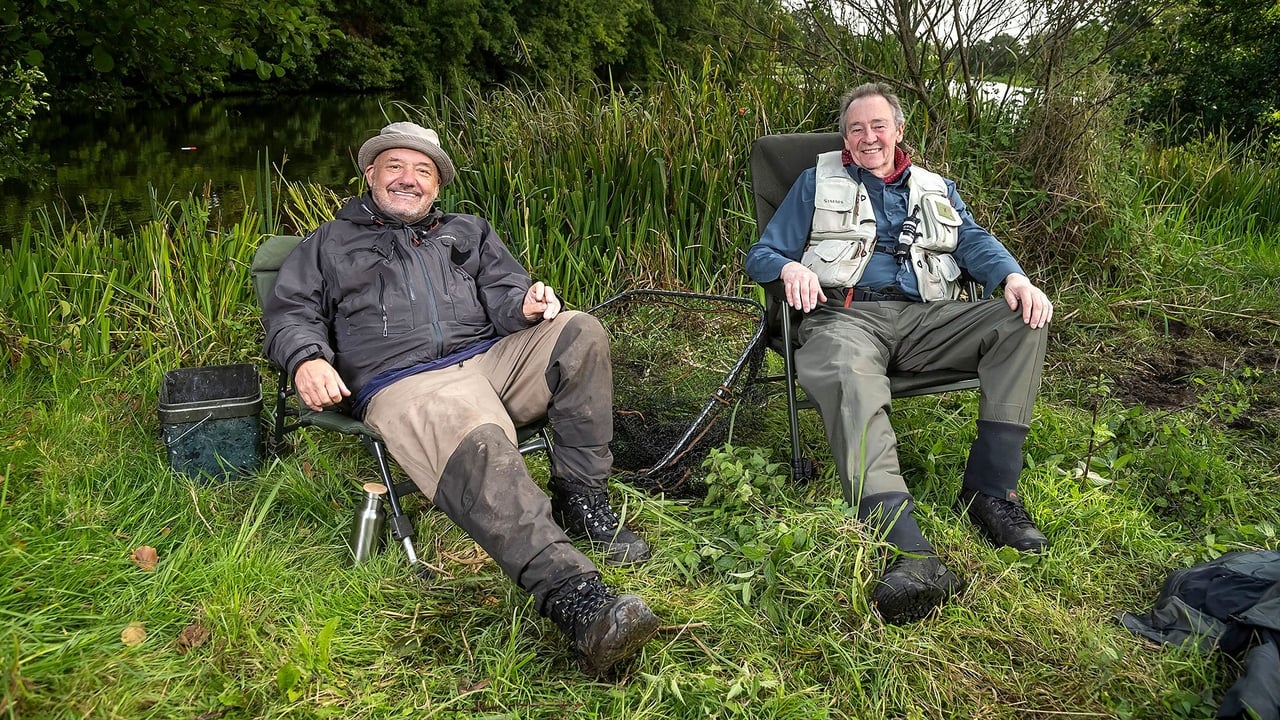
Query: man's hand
[[541, 302], [1036, 308], [803, 291], [319, 385]]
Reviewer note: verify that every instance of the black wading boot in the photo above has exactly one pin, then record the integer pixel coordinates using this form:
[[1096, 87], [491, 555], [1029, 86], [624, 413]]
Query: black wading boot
[[589, 517], [912, 587], [989, 492], [1005, 522], [605, 628]]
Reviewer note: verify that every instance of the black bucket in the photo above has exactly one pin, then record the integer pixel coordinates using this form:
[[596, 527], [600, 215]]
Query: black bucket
[[209, 420]]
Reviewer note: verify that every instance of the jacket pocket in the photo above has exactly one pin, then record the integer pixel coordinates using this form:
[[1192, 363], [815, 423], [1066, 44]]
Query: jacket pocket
[[374, 299], [464, 297]]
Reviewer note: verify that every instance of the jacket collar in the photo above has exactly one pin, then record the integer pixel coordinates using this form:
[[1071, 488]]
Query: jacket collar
[[364, 211]]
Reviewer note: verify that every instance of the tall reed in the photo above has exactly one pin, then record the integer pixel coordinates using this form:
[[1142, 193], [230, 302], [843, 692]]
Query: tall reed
[[596, 191], [599, 191], [172, 291]]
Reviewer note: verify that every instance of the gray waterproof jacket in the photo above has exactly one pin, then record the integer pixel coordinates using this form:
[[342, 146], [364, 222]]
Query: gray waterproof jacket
[[369, 293]]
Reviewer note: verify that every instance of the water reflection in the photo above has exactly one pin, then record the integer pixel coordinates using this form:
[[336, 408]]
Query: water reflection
[[95, 160]]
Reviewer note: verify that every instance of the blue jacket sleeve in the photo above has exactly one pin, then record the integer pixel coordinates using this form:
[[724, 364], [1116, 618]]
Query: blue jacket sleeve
[[787, 233], [978, 251]]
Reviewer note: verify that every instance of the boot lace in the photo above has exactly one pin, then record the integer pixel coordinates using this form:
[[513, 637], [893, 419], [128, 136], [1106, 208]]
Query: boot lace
[[576, 605], [1009, 513], [594, 514]]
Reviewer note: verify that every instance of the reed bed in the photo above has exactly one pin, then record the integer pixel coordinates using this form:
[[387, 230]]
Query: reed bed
[[599, 191]]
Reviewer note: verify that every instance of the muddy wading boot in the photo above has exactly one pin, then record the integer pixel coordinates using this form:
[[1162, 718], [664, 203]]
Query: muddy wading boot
[[590, 517], [990, 492], [605, 628]]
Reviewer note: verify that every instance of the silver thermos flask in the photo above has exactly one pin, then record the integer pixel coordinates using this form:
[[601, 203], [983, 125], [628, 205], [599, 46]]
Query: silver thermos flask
[[370, 520]]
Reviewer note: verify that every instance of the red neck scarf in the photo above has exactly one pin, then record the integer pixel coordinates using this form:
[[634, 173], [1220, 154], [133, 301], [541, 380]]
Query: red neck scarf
[[901, 161]]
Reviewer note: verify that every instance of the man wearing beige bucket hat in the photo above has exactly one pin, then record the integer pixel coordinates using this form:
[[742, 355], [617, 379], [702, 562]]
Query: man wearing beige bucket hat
[[426, 325]]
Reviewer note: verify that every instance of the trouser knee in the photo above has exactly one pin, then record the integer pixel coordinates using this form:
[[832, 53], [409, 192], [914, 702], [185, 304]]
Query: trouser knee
[[580, 377], [1011, 369]]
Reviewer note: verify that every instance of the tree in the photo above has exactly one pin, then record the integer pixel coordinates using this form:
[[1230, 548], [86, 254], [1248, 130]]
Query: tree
[[21, 95], [100, 51], [1002, 55], [1210, 65]]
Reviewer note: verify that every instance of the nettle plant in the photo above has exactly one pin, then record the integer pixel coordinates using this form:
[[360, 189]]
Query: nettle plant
[[759, 540], [742, 479]]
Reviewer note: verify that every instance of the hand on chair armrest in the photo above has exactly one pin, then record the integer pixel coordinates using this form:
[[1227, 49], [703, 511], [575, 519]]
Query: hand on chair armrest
[[319, 385], [781, 319]]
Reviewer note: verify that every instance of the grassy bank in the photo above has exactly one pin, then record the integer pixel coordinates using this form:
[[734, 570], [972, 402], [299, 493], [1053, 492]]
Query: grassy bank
[[1154, 447]]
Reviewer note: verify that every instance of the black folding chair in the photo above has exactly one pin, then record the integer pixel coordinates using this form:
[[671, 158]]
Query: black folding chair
[[776, 162], [290, 414]]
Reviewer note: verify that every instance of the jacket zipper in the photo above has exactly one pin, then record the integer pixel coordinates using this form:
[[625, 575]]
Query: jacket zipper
[[432, 310], [382, 301], [395, 248]]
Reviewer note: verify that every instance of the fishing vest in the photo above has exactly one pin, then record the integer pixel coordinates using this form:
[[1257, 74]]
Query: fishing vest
[[843, 235]]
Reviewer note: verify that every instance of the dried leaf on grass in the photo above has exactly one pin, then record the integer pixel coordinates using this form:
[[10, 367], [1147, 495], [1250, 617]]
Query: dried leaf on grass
[[133, 634], [192, 636], [477, 557], [145, 557]]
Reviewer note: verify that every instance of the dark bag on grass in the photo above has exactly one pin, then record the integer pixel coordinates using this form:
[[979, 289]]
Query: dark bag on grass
[[1232, 603]]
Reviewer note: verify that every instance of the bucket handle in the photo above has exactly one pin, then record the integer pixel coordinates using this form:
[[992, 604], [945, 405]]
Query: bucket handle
[[192, 429]]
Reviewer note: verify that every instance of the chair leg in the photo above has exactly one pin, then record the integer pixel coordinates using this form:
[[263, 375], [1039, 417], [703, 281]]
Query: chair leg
[[802, 468], [541, 441], [276, 443], [401, 526]]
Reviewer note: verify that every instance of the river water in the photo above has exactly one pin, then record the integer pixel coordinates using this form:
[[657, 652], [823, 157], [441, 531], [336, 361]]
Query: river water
[[107, 162]]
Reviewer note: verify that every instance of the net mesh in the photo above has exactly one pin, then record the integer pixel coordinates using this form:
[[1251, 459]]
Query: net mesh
[[681, 363]]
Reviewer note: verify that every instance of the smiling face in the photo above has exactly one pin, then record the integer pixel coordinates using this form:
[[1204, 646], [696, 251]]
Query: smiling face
[[404, 183], [871, 134]]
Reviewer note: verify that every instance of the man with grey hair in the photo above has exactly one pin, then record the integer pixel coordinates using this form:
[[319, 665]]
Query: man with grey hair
[[424, 323], [870, 248]]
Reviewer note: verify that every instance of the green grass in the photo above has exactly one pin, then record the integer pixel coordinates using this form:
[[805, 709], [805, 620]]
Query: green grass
[[1154, 447], [762, 591]]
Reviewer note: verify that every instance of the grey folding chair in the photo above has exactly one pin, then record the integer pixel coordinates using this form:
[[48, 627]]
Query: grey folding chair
[[776, 162]]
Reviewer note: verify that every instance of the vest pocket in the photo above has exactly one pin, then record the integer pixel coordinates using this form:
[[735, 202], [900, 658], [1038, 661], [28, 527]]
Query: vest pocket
[[941, 223], [838, 263], [937, 276], [835, 205]]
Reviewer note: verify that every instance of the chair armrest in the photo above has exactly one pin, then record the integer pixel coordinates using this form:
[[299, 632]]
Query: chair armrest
[[775, 290], [781, 319]]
